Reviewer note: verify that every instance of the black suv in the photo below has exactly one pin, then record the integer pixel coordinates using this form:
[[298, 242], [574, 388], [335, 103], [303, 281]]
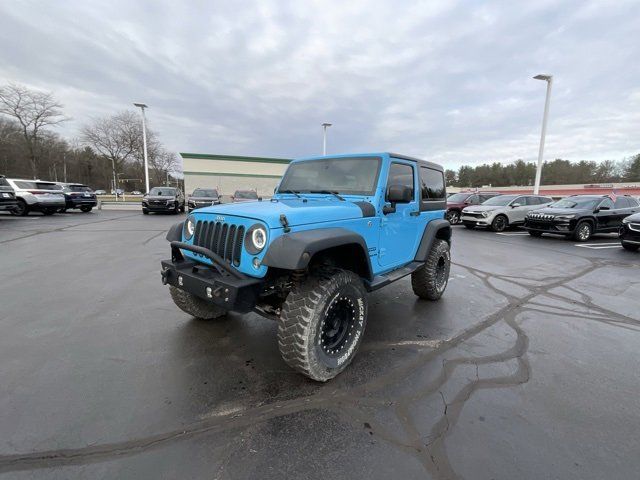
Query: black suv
[[203, 197], [630, 232], [580, 216], [163, 199], [77, 195], [7, 196]]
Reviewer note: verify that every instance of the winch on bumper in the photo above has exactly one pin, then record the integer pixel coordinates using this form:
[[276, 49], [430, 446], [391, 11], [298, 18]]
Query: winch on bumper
[[219, 283]]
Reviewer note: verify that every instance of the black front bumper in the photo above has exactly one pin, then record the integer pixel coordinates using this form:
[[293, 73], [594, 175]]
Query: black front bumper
[[80, 202], [560, 228], [159, 208], [8, 204], [629, 236], [218, 284]]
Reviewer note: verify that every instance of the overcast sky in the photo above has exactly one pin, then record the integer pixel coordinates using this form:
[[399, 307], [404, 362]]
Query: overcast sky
[[444, 80]]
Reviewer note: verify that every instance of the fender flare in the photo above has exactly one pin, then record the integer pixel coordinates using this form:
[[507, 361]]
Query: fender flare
[[175, 232], [439, 228], [294, 251]]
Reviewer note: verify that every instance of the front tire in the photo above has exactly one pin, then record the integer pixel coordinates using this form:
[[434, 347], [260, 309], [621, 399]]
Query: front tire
[[631, 248], [86, 208], [430, 280], [500, 223], [453, 216], [195, 306], [322, 323], [145, 211], [583, 231]]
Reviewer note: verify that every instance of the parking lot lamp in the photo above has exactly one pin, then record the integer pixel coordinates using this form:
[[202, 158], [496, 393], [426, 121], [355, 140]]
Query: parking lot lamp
[[549, 80], [144, 146], [324, 137]]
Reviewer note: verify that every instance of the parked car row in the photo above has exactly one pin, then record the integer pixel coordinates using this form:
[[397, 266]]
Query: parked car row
[[578, 217], [21, 197]]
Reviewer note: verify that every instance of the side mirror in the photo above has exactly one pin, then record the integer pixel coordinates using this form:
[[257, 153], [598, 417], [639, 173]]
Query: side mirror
[[514, 205], [602, 208], [399, 194]]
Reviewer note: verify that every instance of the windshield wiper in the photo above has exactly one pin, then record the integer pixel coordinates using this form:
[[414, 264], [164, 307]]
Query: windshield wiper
[[290, 191], [335, 194]]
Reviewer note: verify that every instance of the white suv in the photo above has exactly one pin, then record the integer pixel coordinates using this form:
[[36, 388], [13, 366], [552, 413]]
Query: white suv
[[502, 211], [45, 197]]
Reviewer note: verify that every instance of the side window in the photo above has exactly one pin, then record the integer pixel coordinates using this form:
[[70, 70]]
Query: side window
[[432, 184], [401, 174], [474, 199], [632, 201], [533, 201], [3, 182], [606, 203], [520, 200], [621, 202], [546, 199]]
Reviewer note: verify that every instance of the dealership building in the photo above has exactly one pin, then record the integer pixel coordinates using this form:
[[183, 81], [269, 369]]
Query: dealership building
[[228, 173]]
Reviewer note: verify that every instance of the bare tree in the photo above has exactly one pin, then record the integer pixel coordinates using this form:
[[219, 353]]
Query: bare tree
[[33, 110], [117, 138]]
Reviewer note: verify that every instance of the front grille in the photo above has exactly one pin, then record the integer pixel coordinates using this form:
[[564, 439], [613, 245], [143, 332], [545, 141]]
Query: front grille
[[472, 215], [540, 216], [221, 238]]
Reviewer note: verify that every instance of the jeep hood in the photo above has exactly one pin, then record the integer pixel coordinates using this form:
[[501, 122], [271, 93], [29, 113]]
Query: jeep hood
[[297, 211], [560, 211]]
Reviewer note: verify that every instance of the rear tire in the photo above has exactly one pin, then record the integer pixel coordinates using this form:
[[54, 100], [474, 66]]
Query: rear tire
[[535, 233], [430, 280], [86, 208], [21, 210], [500, 223], [631, 248], [583, 231], [195, 306], [322, 323]]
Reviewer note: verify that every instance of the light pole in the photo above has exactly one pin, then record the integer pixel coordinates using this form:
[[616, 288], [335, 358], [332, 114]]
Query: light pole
[[324, 137], [549, 80], [144, 145]]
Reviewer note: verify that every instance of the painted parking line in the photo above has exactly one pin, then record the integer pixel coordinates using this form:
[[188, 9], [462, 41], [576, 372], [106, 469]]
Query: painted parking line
[[512, 234], [598, 246]]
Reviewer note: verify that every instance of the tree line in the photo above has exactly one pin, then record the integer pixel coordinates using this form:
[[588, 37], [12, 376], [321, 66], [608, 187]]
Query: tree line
[[555, 172], [107, 148]]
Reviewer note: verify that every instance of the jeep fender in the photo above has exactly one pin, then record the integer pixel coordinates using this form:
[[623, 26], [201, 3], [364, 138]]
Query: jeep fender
[[439, 228], [294, 251], [175, 232]]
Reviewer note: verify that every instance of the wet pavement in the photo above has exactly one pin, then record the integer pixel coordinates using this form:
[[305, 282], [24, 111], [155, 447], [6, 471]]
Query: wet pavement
[[527, 368]]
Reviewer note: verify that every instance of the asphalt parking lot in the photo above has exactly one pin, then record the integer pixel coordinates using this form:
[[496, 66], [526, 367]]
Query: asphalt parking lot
[[527, 368]]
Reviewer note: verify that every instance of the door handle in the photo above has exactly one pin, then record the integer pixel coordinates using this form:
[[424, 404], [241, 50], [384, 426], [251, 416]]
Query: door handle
[[415, 213]]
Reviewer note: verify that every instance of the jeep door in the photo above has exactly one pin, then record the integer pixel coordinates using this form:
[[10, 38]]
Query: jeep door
[[399, 230], [605, 215]]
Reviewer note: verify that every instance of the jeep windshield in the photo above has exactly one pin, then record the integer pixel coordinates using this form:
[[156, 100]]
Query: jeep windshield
[[501, 200], [347, 176], [206, 193], [169, 192], [588, 203]]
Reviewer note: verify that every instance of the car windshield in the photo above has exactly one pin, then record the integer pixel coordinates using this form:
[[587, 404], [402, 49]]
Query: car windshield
[[351, 176], [588, 203], [204, 192], [245, 194], [458, 197], [500, 200], [169, 192]]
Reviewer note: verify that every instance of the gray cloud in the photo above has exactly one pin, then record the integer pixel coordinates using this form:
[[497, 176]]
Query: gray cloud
[[450, 81]]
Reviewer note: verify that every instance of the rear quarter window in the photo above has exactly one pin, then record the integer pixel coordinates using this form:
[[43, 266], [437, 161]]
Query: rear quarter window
[[432, 184]]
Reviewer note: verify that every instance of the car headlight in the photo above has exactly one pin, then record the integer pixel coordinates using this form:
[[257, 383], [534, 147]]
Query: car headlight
[[564, 218], [626, 220], [189, 228], [256, 239]]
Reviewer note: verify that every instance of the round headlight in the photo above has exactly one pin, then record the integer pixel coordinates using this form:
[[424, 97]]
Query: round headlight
[[256, 239], [259, 238], [189, 228]]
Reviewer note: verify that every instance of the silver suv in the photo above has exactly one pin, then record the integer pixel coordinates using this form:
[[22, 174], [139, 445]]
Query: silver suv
[[502, 211], [36, 195]]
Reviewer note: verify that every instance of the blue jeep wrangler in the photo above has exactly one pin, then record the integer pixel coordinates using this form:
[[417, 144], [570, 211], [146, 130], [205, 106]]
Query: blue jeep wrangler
[[336, 228]]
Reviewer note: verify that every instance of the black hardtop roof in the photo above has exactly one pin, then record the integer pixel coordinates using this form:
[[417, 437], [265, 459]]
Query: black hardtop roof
[[425, 163]]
